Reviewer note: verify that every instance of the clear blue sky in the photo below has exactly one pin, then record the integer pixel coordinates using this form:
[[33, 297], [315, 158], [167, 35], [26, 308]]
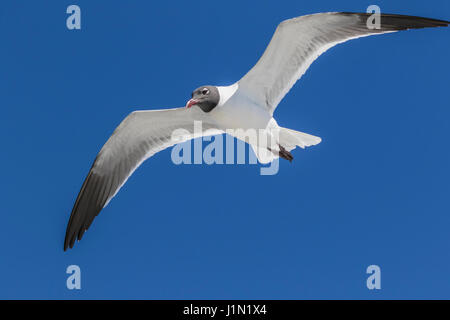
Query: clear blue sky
[[375, 191]]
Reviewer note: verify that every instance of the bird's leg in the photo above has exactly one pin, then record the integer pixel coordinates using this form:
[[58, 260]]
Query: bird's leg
[[282, 153]]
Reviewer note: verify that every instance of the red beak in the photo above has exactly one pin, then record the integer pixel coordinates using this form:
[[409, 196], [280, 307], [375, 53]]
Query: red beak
[[191, 102]]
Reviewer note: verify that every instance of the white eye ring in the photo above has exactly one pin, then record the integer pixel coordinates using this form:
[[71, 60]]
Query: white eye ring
[[205, 91]]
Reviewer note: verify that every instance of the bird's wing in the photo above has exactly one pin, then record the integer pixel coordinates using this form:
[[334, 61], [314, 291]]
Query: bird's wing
[[297, 42], [140, 135]]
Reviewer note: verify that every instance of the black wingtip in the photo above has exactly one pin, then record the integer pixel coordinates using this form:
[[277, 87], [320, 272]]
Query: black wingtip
[[81, 207], [399, 22], [66, 244]]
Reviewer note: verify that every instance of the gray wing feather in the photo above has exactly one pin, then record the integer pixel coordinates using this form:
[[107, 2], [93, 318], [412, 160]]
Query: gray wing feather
[[138, 137], [297, 42]]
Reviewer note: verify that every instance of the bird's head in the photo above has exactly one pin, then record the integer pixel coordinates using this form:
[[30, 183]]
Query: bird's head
[[205, 97]]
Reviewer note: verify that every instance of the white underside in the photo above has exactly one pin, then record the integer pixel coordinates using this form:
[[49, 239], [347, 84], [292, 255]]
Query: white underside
[[245, 120]]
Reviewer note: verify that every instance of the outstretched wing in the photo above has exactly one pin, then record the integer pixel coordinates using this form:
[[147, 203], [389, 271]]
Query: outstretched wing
[[297, 42], [138, 137]]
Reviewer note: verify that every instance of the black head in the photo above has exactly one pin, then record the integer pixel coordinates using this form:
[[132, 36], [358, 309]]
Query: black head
[[206, 97]]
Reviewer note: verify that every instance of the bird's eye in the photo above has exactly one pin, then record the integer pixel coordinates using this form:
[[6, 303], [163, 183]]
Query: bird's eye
[[205, 91]]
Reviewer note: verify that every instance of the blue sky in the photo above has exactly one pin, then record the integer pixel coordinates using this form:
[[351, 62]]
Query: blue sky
[[375, 191]]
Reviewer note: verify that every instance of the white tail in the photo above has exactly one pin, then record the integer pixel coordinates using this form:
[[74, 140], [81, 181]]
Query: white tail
[[289, 139]]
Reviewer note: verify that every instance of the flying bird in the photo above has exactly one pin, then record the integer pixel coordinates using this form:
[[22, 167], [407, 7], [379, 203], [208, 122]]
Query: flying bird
[[246, 104]]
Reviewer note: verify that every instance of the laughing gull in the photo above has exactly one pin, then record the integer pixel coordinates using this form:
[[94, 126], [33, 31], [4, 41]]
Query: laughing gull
[[247, 104]]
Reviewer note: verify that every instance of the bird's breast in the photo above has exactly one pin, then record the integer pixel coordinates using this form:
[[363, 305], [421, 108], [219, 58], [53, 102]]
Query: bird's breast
[[241, 113]]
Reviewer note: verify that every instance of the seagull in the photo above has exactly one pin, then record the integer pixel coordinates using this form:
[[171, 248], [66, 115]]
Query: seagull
[[246, 104]]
